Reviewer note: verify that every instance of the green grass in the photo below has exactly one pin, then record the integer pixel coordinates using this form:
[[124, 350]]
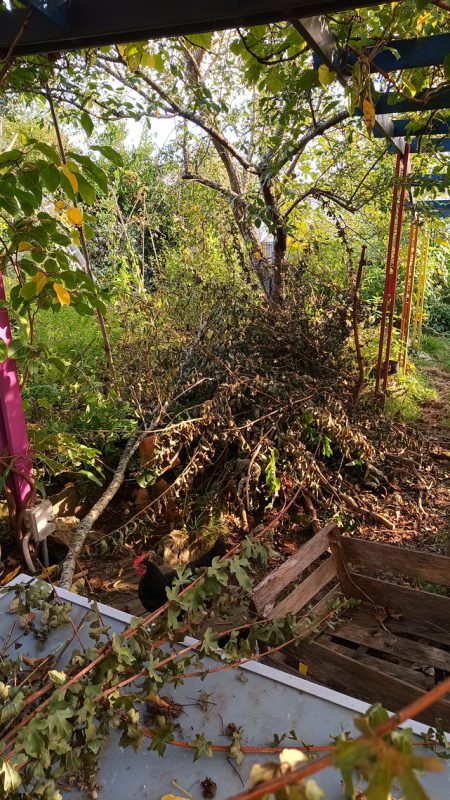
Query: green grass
[[410, 394], [439, 348]]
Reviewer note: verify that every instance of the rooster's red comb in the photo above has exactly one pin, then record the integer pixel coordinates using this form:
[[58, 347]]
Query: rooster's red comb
[[137, 564]]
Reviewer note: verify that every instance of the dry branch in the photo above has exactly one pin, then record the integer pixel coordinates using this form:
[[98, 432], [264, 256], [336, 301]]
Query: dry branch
[[97, 509]]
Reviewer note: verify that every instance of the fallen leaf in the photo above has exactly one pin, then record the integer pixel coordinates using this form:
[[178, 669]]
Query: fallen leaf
[[96, 583], [381, 614], [303, 668]]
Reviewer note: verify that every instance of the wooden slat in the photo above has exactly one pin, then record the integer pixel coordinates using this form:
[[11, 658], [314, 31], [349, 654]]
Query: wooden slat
[[364, 616], [411, 563], [412, 676], [333, 669], [266, 592], [308, 588], [375, 638], [423, 606], [427, 631]]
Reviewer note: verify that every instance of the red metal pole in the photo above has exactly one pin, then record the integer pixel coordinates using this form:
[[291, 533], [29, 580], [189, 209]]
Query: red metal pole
[[13, 429], [394, 276], [388, 271]]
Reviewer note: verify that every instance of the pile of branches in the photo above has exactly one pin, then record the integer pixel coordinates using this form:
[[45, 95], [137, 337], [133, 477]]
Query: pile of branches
[[270, 410]]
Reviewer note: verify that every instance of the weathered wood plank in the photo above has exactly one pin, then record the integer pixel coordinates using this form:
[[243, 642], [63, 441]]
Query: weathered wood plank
[[411, 563], [308, 588], [364, 616], [376, 638], [414, 604], [412, 676], [333, 669], [266, 592], [340, 558]]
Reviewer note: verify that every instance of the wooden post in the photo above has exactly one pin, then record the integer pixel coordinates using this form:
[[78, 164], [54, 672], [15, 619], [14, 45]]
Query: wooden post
[[337, 551]]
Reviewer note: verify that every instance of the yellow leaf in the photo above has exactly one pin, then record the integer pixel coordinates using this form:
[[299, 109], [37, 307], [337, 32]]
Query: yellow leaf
[[148, 60], [410, 86], [75, 216], [60, 205], [62, 294], [41, 280], [23, 246], [70, 177], [290, 757], [303, 668], [172, 797], [369, 115], [326, 76]]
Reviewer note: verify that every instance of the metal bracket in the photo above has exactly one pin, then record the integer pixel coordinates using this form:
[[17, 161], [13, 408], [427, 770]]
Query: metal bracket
[[39, 523], [39, 520]]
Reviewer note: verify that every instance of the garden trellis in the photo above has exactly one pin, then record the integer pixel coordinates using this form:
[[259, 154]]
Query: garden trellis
[[395, 55]]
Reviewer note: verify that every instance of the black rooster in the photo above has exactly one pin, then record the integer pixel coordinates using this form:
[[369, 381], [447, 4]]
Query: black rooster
[[154, 582], [393, 369]]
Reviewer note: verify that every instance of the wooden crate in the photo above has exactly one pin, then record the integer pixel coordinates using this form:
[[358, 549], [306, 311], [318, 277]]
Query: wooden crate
[[394, 645]]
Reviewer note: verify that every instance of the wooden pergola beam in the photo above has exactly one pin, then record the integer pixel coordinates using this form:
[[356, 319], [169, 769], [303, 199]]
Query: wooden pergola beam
[[92, 23], [320, 37]]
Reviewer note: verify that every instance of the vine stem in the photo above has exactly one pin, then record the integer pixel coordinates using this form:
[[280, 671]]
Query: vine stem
[[413, 710], [127, 634]]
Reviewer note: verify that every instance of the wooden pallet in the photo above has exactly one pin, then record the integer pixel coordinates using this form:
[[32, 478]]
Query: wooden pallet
[[394, 645]]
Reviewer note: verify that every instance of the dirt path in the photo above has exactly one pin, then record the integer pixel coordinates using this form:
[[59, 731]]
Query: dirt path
[[435, 418], [435, 426]]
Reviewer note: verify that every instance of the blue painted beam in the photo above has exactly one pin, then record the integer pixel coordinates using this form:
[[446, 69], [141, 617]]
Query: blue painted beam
[[432, 178], [54, 10], [443, 145], [438, 100], [426, 51], [434, 127], [438, 208]]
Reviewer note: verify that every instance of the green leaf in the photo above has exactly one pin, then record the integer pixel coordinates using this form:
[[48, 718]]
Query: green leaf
[[97, 174], [48, 151], [201, 747], [237, 565], [8, 204], [412, 789], [91, 476], [86, 123], [447, 66], [50, 177], [86, 190], [28, 290], [109, 153], [10, 155], [121, 649], [201, 40], [380, 782]]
